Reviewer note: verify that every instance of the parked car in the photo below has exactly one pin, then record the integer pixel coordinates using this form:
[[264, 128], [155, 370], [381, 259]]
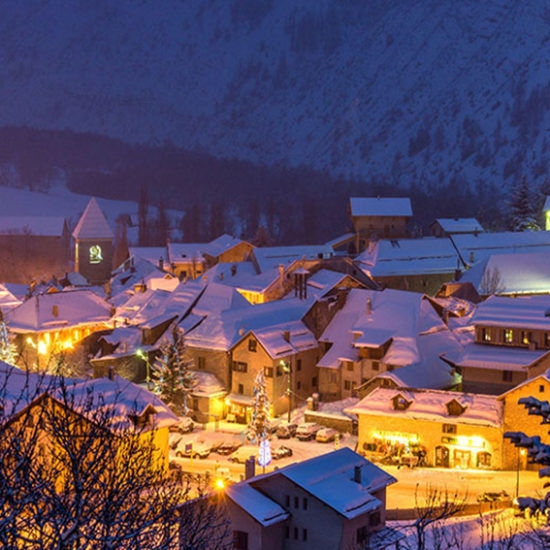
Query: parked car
[[324, 435], [174, 440], [242, 454], [307, 431], [286, 430], [282, 451], [195, 449], [229, 446], [184, 426]]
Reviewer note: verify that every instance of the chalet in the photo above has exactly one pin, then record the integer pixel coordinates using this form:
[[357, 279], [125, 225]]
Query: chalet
[[33, 247], [93, 241], [337, 501], [444, 227], [377, 332], [379, 218], [47, 324], [511, 344], [456, 430], [420, 265]]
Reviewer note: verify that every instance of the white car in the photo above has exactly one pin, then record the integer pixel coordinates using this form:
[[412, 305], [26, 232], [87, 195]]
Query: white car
[[307, 431], [184, 426], [193, 449], [242, 454], [324, 435]]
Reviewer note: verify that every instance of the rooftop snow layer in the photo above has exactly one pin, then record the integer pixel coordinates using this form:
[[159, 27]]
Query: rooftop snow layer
[[260, 507], [459, 225], [92, 224], [59, 310], [530, 312], [523, 273], [274, 256], [380, 206], [483, 356], [480, 410]]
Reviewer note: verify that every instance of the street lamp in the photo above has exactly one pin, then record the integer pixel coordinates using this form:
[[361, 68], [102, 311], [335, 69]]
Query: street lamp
[[521, 452], [144, 357], [287, 369]]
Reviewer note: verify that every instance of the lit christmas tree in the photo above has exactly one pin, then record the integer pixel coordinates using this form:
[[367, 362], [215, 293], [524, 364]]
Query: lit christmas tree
[[7, 348], [258, 429], [171, 371]]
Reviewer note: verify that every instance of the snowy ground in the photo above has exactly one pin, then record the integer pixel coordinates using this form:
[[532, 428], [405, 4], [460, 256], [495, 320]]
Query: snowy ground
[[498, 531], [400, 495]]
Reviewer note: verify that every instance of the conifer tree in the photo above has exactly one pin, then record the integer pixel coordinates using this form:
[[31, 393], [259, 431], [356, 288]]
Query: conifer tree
[[171, 370], [522, 215], [258, 429]]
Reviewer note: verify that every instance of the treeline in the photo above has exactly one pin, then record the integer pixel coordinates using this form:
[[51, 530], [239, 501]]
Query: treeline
[[277, 204]]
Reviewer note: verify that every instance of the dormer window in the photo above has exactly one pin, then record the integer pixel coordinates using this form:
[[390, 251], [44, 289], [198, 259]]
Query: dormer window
[[400, 403], [454, 408], [252, 345]]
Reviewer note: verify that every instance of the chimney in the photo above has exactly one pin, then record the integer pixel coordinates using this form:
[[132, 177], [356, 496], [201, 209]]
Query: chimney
[[161, 263], [111, 372], [234, 270], [471, 256], [281, 273], [369, 306], [286, 336], [357, 474], [250, 467]]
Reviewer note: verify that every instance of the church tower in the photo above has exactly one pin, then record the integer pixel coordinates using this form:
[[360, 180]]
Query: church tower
[[93, 240]]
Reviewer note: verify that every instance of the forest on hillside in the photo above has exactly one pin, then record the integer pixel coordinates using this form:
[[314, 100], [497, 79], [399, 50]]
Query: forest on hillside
[[293, 205]]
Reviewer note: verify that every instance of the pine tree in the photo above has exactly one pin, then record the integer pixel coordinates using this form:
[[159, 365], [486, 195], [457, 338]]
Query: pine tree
[[258, 429], [171, 371], [522, 215]]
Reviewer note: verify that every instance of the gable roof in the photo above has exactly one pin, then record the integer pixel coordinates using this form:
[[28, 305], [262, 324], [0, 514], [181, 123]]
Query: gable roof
[[380, 206], [459, 225], [545, 375], [260, 507], [480, 410], [93, 224]]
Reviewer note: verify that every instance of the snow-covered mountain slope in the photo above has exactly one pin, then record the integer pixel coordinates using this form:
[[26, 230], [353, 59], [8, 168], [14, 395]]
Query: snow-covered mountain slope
[[432, 90]]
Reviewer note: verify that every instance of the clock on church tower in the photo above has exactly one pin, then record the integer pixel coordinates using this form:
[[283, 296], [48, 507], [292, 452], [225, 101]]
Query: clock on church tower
[[93, 240]]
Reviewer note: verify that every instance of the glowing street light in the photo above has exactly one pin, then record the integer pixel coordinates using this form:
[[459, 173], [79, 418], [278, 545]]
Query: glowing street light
[[220, 484], [145, 357]]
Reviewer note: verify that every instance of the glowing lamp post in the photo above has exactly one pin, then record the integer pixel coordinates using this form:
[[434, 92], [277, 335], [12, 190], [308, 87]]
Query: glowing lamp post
[[287, 369], [144, 357], [521, 452]]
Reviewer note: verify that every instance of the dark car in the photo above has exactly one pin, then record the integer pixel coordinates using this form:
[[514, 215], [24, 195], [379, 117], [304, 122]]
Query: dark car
[[281, 452], [228, 447], [489, 496]]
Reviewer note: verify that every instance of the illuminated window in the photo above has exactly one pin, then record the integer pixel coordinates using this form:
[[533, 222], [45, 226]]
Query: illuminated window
[[268, 371], [485, 335], [526, 337], [508, 335], [96, 255]]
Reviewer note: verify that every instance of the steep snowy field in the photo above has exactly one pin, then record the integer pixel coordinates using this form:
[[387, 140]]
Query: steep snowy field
[[414, 92]]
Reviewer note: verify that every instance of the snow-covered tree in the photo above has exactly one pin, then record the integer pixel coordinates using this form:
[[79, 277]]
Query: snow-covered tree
[[537, 453], [8, 351], [258, 429], [172, 373], [522, 214]]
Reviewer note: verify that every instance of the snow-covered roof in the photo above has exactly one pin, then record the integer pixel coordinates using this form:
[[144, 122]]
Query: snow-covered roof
[[341, 240], [330, 478], [392, 257], [405, 318], [42, 226], [151, 254], [273, 256], [18, 388], [484, 356], [325, 280], [223, 330], [93, 224], [523, 273], [459, 225], [206, 384], [119, 397], [530, 312], [479, 410], [187, 252], [473, 248], [59, 310], [260, 507], [380, 206], [7, 299], [274, 338]]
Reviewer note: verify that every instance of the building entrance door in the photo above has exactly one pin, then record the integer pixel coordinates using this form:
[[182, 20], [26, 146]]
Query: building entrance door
[[442, 456], [462, 459]]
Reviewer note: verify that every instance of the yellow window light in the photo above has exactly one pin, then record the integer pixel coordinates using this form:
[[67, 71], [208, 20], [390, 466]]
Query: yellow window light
[[42, 347]]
